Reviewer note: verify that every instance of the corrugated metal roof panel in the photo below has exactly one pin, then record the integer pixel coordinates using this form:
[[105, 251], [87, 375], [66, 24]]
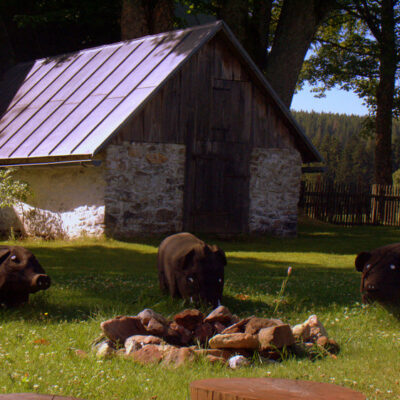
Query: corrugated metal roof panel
[[72, 105]]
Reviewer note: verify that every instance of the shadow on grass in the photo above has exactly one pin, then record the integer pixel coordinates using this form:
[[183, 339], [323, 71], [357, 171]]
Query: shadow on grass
[[94, 281], [312, 237]]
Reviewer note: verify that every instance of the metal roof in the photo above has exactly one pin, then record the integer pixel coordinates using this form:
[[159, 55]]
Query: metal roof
[[70, 106]]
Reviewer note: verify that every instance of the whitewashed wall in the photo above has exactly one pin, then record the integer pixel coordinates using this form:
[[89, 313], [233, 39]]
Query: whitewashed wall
[[67, 201]]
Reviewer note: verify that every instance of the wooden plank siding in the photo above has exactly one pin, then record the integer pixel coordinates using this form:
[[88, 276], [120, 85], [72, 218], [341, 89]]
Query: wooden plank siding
[[188, 95], [214, 107]]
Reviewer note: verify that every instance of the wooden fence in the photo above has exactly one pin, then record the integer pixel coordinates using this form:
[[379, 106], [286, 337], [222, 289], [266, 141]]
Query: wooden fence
[[351, 204]]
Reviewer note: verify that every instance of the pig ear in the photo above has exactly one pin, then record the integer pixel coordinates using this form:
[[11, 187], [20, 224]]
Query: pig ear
[[4, 253], [188, 259], [220, 254], [361, 260]]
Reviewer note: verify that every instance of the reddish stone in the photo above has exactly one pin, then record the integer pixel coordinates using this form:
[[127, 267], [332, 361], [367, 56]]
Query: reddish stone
[[218, 327], [148, 354], [220, 314], [120, 328], [156, 328], [203, 332], [328, 344], [254, 325], [225, 354], [179, 334], [215, 360], [134, 343], [234, 341], [172, 337], [189, 318], [322, 341], [147, 314], [177, 356], [275, 337], [239, 327], [302, 332]]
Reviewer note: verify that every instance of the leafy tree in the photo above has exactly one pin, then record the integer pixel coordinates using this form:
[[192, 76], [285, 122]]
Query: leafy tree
[[357, 49], [11, 189], [276, 33]]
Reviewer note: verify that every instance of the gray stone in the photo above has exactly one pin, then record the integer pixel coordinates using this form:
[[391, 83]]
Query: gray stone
[[274, 191]]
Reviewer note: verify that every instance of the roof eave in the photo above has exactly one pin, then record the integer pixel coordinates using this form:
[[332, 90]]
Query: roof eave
[[82, 159]]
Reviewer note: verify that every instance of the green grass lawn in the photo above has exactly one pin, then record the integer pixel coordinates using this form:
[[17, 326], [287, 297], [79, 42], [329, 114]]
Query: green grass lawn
[[97, 280]]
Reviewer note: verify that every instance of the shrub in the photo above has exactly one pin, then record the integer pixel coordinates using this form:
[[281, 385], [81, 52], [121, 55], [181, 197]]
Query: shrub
[[11, 190]]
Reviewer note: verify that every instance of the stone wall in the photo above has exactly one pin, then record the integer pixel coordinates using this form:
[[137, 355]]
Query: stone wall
[[275, 176], [67, 202], [139, 189], [144, 191]]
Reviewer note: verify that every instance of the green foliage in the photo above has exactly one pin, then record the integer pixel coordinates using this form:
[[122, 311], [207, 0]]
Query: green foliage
[[347, 55], [11, 190], [348, 154], [396, 178], [45, 347], [357, 49]]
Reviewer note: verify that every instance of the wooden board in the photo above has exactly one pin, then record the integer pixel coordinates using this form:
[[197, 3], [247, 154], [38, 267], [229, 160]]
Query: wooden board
[[269, 389], [33, 396]]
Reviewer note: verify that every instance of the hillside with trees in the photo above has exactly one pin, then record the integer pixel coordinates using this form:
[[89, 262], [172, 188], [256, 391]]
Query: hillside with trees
[[348, 151]]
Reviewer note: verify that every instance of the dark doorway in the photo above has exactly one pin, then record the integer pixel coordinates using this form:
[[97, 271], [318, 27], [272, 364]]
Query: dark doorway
[[217, 183]]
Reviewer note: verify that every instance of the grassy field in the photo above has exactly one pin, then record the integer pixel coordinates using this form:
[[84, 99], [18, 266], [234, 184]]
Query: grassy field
[[97, 280]]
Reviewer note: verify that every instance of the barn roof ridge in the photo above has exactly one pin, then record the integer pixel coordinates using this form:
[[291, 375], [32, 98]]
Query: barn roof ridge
[[72, 105]]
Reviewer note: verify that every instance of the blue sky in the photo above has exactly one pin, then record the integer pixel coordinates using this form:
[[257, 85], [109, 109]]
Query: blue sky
[[336, 101]]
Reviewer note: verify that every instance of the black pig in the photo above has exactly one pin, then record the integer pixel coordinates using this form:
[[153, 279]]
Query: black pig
[[20, 275], [191, 269], [380, 270]]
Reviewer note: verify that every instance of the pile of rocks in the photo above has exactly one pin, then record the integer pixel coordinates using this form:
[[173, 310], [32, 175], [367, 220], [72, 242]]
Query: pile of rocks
[[219, 337]]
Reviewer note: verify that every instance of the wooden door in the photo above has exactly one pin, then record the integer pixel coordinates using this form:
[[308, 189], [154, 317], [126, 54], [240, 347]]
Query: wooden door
[[217, 184]]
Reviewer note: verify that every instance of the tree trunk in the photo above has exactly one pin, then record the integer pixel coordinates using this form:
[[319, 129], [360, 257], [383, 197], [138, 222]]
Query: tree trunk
[[7, 56], [133, 19], [257, 38], [384, 96], [146, 17], [250, 26], [162, 16], [297, 25]]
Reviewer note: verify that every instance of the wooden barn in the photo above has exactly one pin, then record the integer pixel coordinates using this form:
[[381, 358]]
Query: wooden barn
[[176, 131]]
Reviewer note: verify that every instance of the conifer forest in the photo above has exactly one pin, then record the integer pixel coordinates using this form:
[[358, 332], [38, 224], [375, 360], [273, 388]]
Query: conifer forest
[[348, 150]]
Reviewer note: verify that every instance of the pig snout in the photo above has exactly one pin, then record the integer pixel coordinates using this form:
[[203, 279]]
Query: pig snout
[[40, 282]]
